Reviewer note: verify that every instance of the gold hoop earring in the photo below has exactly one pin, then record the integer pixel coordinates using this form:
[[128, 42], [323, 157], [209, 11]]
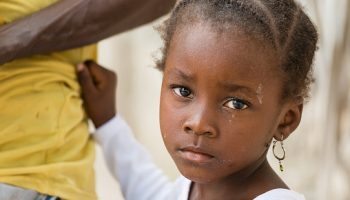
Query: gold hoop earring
[[279, 158]]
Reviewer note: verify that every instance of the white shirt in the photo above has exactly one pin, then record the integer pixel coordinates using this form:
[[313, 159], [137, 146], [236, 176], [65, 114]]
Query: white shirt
[[140, 178]]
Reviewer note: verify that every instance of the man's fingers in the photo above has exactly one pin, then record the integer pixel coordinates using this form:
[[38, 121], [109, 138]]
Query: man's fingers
[[85, 80]]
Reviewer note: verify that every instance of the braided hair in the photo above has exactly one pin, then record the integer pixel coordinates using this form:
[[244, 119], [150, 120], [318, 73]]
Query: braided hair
[[282, 24]]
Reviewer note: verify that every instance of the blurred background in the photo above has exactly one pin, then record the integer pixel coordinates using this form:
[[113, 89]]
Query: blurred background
[[317, 155]]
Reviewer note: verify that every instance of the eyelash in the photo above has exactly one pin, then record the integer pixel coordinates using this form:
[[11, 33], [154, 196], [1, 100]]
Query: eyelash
[[242, 103], [177, 90]]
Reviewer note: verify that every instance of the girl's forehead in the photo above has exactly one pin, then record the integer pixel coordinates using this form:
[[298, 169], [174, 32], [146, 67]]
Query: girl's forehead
[[225, 31], [231, 51]]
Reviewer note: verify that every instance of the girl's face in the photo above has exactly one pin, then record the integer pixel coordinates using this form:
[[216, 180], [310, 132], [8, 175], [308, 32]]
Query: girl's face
[[220, 103]]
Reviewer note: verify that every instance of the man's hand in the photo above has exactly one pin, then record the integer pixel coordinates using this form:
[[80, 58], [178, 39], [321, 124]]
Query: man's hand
[[99, 91]]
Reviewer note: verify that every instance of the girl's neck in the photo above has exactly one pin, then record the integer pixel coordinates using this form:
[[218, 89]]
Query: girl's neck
[[247, 184]]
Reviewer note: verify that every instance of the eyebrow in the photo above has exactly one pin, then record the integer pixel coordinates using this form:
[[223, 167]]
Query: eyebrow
[[225, 85], [182, 74], [236, 87]]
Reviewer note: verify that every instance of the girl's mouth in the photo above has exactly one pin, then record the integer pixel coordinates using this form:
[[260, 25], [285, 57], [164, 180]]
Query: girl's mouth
[[195, 155]]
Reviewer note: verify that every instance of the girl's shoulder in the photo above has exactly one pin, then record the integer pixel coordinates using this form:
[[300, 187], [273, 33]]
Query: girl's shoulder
[[182, 186], [280, 194]]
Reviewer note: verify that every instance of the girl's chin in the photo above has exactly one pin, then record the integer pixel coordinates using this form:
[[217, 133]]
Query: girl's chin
[[200, 179], [196, 175]]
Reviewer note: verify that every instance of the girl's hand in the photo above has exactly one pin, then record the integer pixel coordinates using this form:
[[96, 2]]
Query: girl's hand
[[98, 91]]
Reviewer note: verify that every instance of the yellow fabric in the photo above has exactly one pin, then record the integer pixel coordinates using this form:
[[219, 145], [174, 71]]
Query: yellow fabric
[[44, 140]]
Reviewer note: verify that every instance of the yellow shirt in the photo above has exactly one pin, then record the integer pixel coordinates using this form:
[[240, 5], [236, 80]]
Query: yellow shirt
[[44, 140]]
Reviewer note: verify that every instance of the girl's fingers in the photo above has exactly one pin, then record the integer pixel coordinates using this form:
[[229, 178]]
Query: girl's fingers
[[85, 79], [101, 76]]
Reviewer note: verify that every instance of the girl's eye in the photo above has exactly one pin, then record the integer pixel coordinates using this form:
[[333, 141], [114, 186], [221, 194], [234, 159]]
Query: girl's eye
[[183, 92], [236, 104]]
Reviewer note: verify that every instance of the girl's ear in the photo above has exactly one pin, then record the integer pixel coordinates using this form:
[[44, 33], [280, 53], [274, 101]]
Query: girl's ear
[[289, 120]]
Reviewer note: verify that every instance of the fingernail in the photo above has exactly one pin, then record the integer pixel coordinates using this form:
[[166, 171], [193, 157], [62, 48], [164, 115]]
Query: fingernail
[[80, 67]]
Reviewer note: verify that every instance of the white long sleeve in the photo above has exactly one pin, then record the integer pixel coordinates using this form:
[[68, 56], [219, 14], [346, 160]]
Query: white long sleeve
[[131, 164]]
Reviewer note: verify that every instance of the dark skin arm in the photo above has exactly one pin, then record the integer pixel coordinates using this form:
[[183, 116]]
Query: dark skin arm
[[69, 24], [98, 91]]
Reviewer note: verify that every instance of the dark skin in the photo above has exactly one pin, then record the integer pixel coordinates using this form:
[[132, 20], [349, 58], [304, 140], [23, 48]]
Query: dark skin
[[220, 105], [220, 108], [68, 24], [98, 91]]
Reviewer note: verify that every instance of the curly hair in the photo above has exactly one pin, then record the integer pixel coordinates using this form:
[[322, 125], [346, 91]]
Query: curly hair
[[280, 23]]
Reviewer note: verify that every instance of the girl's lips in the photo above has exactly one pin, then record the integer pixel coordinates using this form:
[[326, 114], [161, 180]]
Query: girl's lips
[[195, 155]]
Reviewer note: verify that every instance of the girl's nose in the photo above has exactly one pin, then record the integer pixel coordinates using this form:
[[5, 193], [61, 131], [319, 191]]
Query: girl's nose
[[201, 122]]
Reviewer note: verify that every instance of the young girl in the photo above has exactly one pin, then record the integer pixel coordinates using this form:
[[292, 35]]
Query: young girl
[[236, 73]]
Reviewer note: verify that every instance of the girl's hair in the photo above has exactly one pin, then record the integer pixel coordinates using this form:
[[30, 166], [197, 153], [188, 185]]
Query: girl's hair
[[281, 23]]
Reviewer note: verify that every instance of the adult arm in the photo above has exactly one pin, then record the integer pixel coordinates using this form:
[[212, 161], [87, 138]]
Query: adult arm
[[69, 24]]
